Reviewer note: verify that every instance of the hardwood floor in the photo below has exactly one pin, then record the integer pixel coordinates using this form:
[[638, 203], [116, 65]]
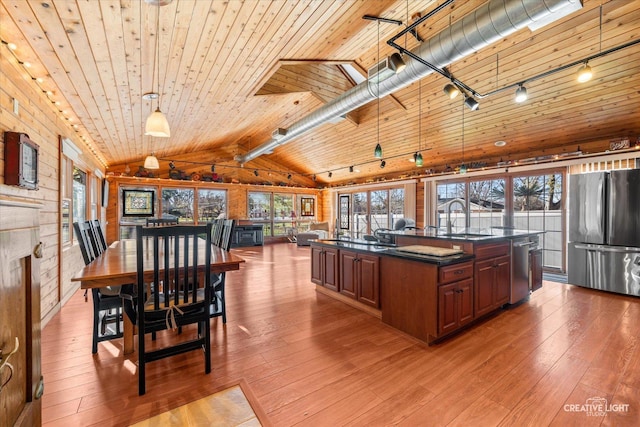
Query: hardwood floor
[[314, 361]]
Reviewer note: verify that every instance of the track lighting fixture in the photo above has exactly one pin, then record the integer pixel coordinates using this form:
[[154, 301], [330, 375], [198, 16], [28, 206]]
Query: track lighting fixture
[[213, 168], [289, 176], [382, 164], [351, 169], [521, 94], [451, 90], [255, 172], [314, 177], [330, 174], [396, 62], [377, 153], [585, 73], [471, 103], [172, 166]]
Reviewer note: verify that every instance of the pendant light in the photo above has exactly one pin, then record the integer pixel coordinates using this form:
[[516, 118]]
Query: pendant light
[[157, 124], [377, 152], [417, 157]]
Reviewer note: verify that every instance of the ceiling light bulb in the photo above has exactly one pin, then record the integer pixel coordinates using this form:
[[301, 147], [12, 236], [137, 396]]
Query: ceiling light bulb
[[451, 91], [12, 46], [585, 73], [521, 94], [377, 153], [471, 103]]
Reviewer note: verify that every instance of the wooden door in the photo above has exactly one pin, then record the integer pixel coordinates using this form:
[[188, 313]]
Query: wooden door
[[330, 271], [348, 275], [369, 280], [465, 301], [502, 280], [535, 264], [483, 292], [316, 265], [20, 402], [447, 308]]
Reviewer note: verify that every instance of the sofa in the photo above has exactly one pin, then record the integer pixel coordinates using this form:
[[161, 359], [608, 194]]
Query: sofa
[[318, 230]]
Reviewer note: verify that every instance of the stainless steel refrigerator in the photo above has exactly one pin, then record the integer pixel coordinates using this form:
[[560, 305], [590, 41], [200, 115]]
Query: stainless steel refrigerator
[[604, 231]]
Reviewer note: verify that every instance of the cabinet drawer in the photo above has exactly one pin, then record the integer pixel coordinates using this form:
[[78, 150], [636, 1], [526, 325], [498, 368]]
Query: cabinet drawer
[[455, 272], [492, 250]]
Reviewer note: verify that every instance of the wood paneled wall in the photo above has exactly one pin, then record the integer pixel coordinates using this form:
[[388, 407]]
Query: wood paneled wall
[[38, 118]]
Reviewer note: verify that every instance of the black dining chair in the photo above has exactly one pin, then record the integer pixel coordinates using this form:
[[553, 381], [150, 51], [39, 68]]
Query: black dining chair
[[180, 296], [161, 222], [218, 302], [107, 303]]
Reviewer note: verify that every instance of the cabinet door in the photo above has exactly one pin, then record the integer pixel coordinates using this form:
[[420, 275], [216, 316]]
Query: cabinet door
[[316, 265], [502, 288], [447, 308], [465, 301], [535, 262], [484, 282], [369, 280], [330, 269], [348, 274]]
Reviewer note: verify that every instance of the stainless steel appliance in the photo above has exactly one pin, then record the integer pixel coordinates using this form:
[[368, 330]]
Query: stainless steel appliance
[[521, 267], [604, 231]]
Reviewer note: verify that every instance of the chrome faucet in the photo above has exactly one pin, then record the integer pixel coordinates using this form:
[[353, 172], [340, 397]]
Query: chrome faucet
[[462, 205]]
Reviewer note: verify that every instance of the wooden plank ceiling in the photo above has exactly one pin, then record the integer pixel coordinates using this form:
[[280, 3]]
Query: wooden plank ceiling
[[233, 71]]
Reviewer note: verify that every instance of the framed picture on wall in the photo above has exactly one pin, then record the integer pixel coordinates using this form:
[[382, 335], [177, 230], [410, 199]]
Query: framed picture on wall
[[138, 202], [307, 206]]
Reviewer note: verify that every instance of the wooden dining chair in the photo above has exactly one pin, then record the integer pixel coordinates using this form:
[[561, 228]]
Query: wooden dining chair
[[107, 303], [181, 293], [218, 298]]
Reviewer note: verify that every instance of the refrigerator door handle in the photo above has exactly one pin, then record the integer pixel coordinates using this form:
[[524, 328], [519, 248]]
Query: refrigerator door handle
[[519, 245], [621, 249]]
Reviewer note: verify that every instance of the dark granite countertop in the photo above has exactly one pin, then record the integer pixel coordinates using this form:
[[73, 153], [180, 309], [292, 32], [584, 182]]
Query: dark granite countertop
[[473, 235], [374, 248]]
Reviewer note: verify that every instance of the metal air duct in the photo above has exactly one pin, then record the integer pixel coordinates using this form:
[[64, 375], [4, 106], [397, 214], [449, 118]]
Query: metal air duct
[[489, 23]]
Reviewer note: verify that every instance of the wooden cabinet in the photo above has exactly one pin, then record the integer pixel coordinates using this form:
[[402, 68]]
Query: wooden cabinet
[[359, 277], [492, 277], [325, 267], [535, 264], [455, 306], [455, 297]]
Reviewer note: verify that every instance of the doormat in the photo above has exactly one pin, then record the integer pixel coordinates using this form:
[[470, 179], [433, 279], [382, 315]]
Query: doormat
[[233, 406]]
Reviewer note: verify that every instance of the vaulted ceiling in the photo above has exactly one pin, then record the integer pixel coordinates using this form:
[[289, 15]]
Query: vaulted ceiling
[[231, 72]]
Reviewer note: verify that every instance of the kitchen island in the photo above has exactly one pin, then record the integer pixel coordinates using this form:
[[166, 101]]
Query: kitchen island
[[430, 293]]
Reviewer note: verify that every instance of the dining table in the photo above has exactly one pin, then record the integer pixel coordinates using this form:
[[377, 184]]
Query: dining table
[[117, 265]]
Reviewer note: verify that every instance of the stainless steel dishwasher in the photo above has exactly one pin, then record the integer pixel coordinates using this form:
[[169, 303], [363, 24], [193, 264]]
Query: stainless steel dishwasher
[[520, 267]]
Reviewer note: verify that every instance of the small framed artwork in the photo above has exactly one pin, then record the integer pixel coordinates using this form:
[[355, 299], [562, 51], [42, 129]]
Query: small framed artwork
[[307, 206], [138, 202]]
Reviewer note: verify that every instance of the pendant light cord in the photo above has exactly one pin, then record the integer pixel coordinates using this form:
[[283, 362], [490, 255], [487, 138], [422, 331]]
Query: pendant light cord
[[158, 51], [378, 82]]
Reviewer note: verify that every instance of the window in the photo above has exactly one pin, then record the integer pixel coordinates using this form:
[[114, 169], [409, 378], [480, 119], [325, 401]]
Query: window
[[212, 204], [487, 203], [178, 203], [538, 206], [452, 201], [79, 195], [278, 212], [371, 210], [283, 213]]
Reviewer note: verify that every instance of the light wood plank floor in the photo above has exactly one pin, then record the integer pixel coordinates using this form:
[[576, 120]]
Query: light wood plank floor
[[313, 361]]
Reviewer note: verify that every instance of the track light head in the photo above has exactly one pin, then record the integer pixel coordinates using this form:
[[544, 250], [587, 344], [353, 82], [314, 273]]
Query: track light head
[[396, 62], [213, 168], [172, 166], [289, 176], [585, 73], [451, 90], [471, 103], [382, 164], [255, 172], [330, 174], [377, 153], [350, 168], [314, 177], [521, 94]]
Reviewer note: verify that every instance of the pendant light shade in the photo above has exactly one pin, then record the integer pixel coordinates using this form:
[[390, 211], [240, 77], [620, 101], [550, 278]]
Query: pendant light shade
[[157, 125], [151, 162], [417, 157], [377, 153], [585, 73]]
